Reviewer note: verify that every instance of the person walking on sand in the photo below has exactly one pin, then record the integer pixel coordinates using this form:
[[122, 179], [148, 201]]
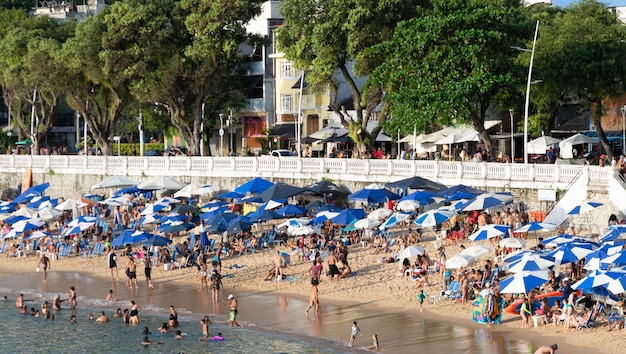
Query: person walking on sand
[[72, 298], [233, 311], [355, 331], [313, 301], [147, 263], [544, 349], [112, 263], [44, 265]]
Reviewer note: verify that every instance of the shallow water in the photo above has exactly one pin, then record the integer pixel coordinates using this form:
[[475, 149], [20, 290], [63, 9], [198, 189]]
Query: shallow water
[[272, 323]]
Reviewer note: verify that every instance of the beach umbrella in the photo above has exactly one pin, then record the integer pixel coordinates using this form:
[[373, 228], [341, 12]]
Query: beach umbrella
[[230, 195], [300, 230], [512, 243], [611, 247], [523, 282], [475, 251], [184, 209], [150, 219], [169, 200], [214, 212], [35, 202], [617, 286], [458, 196], [514, 256], [11, 234], [161, 182], [27, 212], [323, 216], [593, 261], [238, 225], [379, 213], [446, 193], [327, 187], [117, 201], [281, 191], [530, 262], [265, 215], [459, 261], [433, 218], [7, 207], [597, 278], [421, 197], [408, 205], [373, 194], [346, 216], [410, 252], [291, 210], [48, 214], [116, 182], [536, 226], [153, 208], [30, 193], [15, 218], [614, 233], [568, 253], [541, 144], [314, 205], [416, 182], [583, 208], [561, 239], [221, 217], [486, 201], [490, 231], [616, 258], [177, 226], [174, 217], [25, 225], [213, 204], [70, 204], [254, 186], [299, 222], [394, 220], [366, 223], [37, 235], [192, 189], [156, 240]]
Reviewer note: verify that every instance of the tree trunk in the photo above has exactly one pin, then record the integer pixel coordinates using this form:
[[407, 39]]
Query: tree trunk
[[479, 124], [597, 121]]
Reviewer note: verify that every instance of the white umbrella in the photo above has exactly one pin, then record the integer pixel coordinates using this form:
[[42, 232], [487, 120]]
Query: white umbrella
[[487, 200], [380, 213], [117, 201], [161, 182], [70, 204], [408, 205], [116, 182], [193, 189], [366, 223], [459, 261], [536, 226], [411, 251], [512, 243], [48, 214], [27, 212], [302, 230], [475, 251], [37, 234], [584, 207]]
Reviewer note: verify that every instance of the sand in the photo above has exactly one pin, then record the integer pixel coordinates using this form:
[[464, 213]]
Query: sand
[[378, 285]]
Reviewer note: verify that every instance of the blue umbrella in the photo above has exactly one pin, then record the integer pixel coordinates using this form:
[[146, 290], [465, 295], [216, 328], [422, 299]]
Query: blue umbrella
[[218, 227], [254, 186], [204, 239], [175, 227], [373, 194], [617, 258], [168, 219], [490, 231], [394, 220], [156, 240], [536, 226], [433, 218], [523, 282], [237, 226], [346, 216], [559, 239], [593, 260], [614, 233], [130, 237], [30, 193], [222, 217], [446, 193], [264, 215], [7, 207], [213, 204], [211, 214], [231, 195], [421, 197], [36, 202], [583, 208], [291, 210], [459, 196]]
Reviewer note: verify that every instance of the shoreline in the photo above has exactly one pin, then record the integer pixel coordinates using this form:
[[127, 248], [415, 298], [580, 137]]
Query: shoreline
[[293, 295]]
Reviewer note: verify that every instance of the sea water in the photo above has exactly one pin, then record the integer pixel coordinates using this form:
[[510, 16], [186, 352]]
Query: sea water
[[29, 334]]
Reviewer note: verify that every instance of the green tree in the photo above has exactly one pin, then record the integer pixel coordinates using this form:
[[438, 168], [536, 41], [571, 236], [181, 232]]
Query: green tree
[[184, 57], [29, 74], [94, 78], [444, 66], [580, 56], [328, 38]]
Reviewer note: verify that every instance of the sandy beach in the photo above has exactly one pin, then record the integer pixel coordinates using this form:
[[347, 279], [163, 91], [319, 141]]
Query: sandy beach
[[377, 289]]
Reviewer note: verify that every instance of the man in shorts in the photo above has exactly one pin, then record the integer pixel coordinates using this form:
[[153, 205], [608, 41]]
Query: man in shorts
[[233, 311], [314, 271]]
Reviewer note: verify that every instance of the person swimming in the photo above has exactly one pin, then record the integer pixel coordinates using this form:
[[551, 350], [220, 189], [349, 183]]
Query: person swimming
[[218, 337]]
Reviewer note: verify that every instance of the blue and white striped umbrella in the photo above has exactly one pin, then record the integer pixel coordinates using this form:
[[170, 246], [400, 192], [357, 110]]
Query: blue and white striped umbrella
[[536, 226], [611, 247], [617, 286], [614, 233], [569, 253], [530, 262], [617, 258], [523, 282], [490, 231], [593, 260], [597, 278], [584, 207], [394, 220], [433, 218], [559, 239], [487, 200]]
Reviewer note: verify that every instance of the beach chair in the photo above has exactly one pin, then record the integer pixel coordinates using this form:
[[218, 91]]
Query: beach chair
[[67, 250], [4, 247], [454, 292], [20, 250], [439, 239], [591, 319]]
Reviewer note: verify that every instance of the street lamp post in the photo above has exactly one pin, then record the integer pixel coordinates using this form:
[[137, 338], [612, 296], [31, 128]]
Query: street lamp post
[[623, 129], [221, 134], [202, 133], [512, 140], [526, 106], [230, 132]]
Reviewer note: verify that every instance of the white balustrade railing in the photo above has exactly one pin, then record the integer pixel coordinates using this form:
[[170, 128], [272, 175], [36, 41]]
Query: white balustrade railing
[[349, 169]]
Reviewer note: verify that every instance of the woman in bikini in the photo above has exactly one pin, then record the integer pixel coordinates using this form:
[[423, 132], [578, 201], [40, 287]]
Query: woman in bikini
[[134, 313], [72, 298]]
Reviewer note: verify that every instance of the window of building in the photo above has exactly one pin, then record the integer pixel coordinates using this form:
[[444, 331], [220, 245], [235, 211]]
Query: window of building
[[286, 69], [254, 126], [286, 102]]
